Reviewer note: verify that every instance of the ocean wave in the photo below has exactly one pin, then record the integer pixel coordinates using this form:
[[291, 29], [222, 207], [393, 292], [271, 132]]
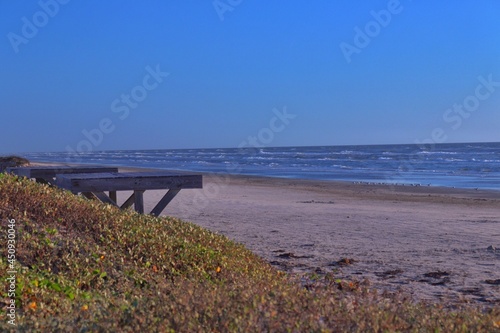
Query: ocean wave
[[438, 152], [451, 159], [447, 164], [352, 152]]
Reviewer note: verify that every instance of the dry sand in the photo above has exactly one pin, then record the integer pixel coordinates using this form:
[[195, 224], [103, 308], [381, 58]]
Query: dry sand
[[433, 243]]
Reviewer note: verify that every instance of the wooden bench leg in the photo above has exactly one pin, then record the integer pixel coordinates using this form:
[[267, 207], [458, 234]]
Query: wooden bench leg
[[112, 196], [164, 201], [139, 202], [88, 195], [129, 202], [104, 198]]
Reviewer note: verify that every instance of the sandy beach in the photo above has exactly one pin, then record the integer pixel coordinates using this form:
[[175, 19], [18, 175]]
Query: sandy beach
[[433, 243]]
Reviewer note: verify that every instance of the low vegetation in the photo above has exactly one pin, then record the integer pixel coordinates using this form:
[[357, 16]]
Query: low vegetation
[[12, 161], [83, 266]]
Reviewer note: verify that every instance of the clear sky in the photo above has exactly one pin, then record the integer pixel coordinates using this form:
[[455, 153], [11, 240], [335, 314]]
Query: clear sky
[[100, 75]]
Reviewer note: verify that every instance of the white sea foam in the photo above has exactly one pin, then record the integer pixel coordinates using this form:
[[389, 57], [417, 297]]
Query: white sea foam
[[469, 165]]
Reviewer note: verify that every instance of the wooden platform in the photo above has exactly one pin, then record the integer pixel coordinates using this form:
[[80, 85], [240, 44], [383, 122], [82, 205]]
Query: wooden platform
[[47, 174], [95, 184]]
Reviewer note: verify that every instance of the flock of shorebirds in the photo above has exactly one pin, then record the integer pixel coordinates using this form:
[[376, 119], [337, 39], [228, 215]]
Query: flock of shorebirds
[[398, 184], [391, 184]]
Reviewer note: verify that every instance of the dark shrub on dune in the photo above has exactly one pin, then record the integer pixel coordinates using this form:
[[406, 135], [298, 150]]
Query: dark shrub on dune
[[12, 161]]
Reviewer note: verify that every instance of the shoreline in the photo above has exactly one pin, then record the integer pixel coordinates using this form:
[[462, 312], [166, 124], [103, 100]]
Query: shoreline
[[412, 187], [464, 165], [433, 243]]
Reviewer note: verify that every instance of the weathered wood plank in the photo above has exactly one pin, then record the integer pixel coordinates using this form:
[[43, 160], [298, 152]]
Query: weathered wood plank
[[112, 196], [128, 181], [48, 173], [164, 201], [139, 202]]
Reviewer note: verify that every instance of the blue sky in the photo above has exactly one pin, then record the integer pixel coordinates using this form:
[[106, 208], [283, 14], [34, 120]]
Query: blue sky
[[345, 72]]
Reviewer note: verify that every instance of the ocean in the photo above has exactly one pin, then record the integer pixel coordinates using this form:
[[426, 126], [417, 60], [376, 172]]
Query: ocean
[[464, 165]]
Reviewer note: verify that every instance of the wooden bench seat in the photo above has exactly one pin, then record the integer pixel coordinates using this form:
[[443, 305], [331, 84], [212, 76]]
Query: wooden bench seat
[[97, 183], [47, 174]]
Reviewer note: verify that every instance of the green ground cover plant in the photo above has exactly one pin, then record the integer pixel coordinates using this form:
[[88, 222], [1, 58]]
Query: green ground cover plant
[[83, 266]]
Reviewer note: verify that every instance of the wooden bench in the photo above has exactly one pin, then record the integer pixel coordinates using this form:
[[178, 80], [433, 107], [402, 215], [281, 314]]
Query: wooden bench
[[97, 183], [48, 174]]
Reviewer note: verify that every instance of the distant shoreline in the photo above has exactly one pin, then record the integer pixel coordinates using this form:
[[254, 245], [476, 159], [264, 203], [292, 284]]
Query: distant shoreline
[[418, 187], [472, 166]]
